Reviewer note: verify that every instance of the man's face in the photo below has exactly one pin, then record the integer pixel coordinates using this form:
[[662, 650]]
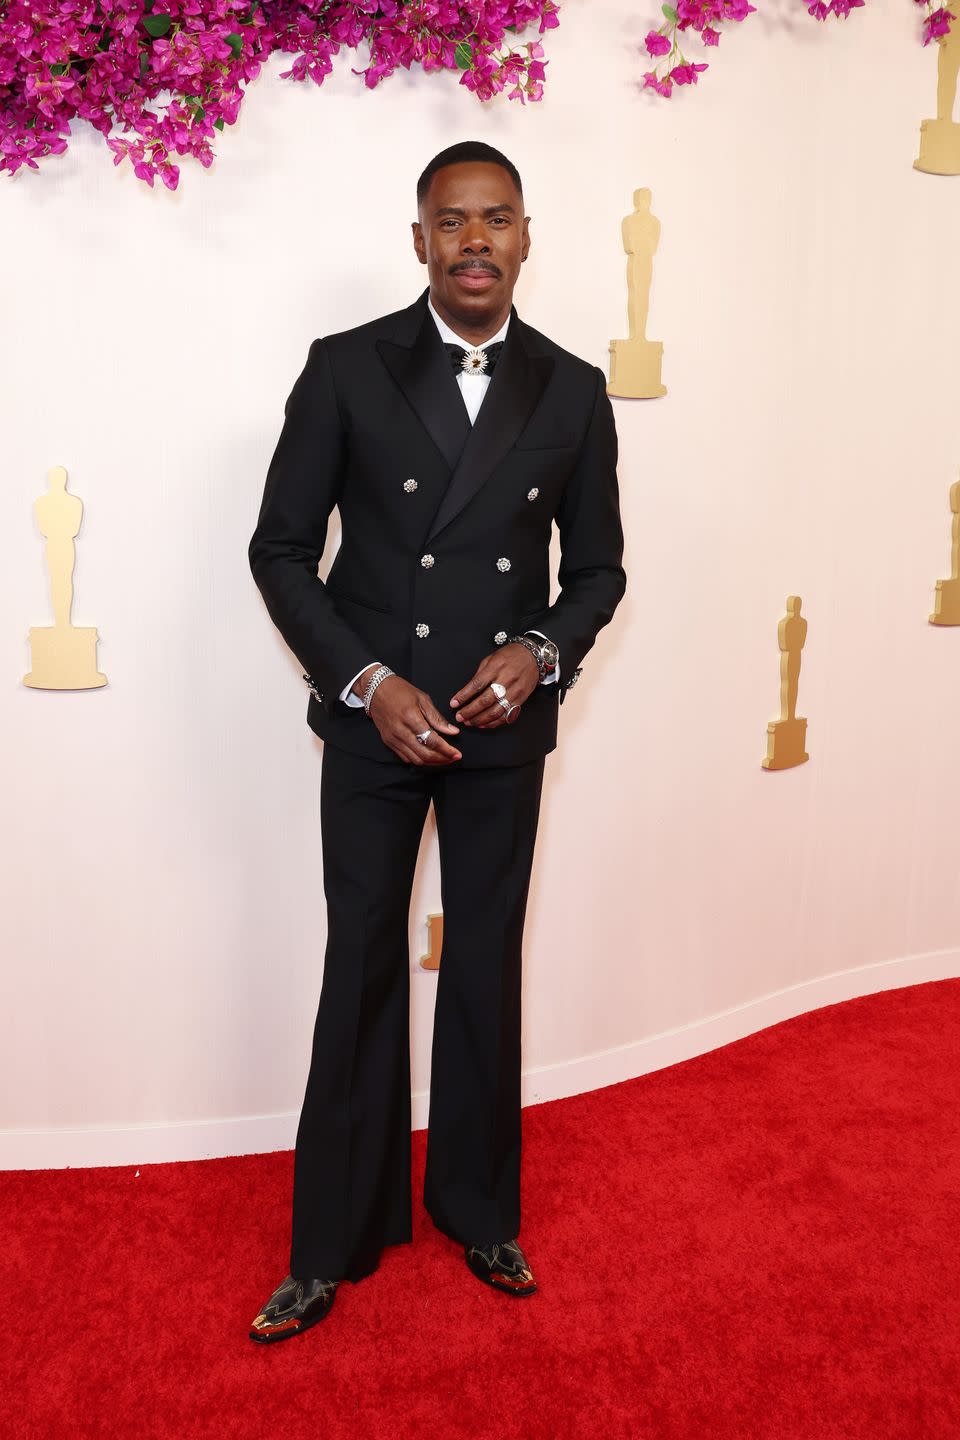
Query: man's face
[[472, 236]]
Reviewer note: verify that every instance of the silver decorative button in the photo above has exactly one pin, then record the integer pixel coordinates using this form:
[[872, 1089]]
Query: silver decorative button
[[409, 486], [532, 494], [500, 636], [426, 561], [423, 630], [503, 563]]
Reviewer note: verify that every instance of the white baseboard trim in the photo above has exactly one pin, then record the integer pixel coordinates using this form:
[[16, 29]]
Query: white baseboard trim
[[258, 1134], [656, 1052]]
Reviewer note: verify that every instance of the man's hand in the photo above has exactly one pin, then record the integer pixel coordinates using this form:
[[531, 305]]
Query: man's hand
[[518, 672], [400, 711]]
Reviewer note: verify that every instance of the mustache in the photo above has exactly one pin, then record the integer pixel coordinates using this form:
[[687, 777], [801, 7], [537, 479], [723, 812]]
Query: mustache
[[475, 265]]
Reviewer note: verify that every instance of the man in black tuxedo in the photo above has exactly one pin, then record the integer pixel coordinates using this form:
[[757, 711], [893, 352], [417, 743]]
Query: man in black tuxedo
[[451, 436]]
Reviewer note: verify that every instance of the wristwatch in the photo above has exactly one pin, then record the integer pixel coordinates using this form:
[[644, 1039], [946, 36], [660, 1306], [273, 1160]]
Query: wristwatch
[[544, 652]]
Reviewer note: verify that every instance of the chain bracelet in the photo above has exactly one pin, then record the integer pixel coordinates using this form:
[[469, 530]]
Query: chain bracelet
[[532, 646], [377, 678]]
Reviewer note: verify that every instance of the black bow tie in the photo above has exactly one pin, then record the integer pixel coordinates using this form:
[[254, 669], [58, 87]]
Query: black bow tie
[[474, 362]]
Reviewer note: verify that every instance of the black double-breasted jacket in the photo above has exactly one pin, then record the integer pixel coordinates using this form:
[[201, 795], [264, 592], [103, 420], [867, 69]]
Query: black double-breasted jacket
[[445, 528]]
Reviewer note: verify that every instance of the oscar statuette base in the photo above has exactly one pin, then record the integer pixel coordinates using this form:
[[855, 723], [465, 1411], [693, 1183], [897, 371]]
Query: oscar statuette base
[[939, 148], [64, 657], [785, 744], [947, 603], [635, 367]]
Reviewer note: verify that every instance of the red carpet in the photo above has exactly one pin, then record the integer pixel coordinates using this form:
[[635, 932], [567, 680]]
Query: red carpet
[[758, 1243]]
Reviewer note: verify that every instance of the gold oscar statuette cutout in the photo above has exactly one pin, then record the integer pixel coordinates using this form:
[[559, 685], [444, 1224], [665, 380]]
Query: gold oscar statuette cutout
[[431, 961], [635, 364], [63, 656], [786, 737], [947, 603], [940, 138]]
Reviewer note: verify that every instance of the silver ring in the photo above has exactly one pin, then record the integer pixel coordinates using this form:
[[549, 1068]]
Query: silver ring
[[511, 708], [422, 736], [504, 702], [498, 689]]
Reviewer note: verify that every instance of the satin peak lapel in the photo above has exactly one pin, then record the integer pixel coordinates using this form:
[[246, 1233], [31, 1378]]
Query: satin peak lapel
[[422, 370], [514, 392]]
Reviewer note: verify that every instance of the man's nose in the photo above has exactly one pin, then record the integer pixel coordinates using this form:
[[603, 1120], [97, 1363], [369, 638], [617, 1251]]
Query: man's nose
[[475, 241]]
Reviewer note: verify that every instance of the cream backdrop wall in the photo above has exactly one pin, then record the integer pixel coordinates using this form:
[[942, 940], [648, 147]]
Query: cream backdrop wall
[[162, 912]]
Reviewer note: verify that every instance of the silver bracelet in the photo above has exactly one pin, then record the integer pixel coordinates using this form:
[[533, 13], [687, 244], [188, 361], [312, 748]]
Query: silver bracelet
[[377, 678], [532, 646]]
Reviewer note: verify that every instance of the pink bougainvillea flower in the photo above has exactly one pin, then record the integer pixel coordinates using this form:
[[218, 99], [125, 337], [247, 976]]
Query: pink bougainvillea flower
[[657, 44], [936, 25], [662, 87], [686, 74], [710, 36], [842, 8]]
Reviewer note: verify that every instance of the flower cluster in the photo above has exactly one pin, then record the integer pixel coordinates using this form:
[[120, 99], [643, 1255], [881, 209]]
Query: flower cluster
[[158, 77], [672, 67]]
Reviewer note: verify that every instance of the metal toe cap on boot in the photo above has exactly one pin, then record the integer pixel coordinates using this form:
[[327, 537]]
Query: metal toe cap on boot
[[293, 1307], [504, 1266]]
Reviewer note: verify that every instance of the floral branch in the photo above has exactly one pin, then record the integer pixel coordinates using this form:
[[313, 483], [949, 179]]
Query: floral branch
[[111, 64], [704, 16]]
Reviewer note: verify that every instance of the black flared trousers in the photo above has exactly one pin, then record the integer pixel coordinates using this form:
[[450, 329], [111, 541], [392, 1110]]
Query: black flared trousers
[[352, 1182]]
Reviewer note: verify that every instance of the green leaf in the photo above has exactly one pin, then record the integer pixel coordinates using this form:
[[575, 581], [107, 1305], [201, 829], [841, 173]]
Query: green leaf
[[235, 42], [218, 123], [144, 64], [670, 13], [58, 69], [464, 55], [157, 25]]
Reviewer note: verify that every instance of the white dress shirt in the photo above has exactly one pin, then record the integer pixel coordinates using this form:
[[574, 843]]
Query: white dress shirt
[[473, 387]]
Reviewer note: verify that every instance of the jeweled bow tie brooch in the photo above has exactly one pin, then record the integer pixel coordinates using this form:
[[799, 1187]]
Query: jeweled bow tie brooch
[[476, 361]]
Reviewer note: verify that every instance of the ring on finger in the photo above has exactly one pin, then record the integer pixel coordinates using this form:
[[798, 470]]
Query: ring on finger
[[423, 735], [498, 689]]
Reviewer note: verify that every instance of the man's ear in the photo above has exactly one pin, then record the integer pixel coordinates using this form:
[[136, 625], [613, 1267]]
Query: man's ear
[[525, 249], [418, 244]]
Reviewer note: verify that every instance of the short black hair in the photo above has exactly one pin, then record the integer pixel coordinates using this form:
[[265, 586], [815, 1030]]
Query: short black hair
[[462, 153]]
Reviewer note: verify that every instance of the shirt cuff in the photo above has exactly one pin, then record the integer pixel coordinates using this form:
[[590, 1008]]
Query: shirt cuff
[[347, 695]]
